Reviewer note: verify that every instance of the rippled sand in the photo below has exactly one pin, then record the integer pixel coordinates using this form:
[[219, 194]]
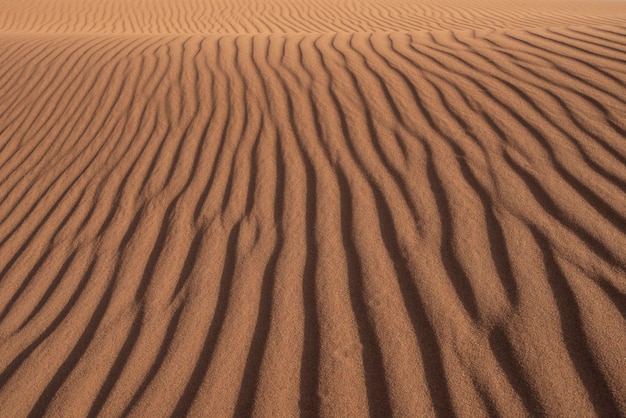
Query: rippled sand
[[312, 207]]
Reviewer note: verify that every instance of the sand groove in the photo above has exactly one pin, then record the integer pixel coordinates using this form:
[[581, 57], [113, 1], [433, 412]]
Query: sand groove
[[315, 212]]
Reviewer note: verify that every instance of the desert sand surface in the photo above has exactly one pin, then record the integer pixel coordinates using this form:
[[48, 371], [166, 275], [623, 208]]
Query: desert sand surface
[[330, 208]]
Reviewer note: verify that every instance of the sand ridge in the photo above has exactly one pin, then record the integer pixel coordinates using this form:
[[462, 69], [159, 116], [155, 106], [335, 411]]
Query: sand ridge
[[415, 217]]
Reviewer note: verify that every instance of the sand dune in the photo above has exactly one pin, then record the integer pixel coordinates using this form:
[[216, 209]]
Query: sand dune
[[384, 208], [302, 16]]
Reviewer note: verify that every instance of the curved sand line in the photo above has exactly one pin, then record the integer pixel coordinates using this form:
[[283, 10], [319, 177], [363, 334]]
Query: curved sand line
[[408, 223]]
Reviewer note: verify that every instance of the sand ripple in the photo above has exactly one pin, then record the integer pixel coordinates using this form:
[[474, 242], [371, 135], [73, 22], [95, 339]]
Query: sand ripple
[[340, 223]]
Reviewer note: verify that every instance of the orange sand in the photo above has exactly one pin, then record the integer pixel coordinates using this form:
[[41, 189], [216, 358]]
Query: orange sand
[[312, 207]]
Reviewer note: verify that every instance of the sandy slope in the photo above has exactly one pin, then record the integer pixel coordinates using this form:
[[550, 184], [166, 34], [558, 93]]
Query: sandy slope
[[378, 208]]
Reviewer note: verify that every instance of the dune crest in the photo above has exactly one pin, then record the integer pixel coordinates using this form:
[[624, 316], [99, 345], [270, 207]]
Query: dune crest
[[408, 216]]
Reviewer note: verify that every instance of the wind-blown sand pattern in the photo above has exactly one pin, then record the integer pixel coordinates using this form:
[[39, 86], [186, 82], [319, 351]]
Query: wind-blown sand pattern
[[283, 208]]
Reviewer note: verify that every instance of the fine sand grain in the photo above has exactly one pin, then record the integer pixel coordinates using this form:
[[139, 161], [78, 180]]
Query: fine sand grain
[[312, 207]]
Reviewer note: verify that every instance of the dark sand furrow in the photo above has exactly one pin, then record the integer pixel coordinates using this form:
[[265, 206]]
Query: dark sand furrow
[[33, 273], [118, 366], [15, 363], [118, 165], [575, 34], [581, 85], [551, 207], [496, 74], [553, 84], [457, 275], [15, 84], [84, 149], [603, 35], [45, 298], [495, 234], [309, 361], [309, 380], [71, 123], [379, 205], [42, 225], [577, 85], [594, 200], [252, 369], [230, 190], [47, 216], [601, 395], [158, 361], [557, 54], [182, 126], [573, 43], [543, 140], [585, 153], [23, 124], [388, 160], [377, 392], [77, 352], [221, 139], [217, 322], [505, 355]]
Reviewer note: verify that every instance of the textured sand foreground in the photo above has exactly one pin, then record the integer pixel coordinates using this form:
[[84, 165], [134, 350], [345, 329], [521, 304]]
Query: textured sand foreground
[[312, 207]]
